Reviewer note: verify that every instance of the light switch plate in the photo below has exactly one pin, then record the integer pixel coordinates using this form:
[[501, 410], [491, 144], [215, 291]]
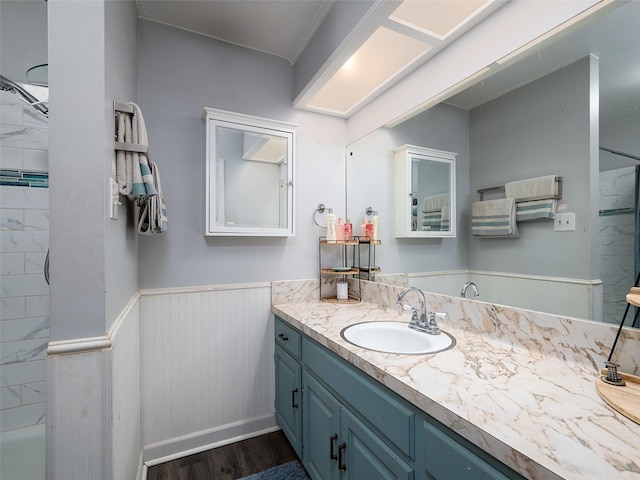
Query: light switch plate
[[114, 200], [564, 222]]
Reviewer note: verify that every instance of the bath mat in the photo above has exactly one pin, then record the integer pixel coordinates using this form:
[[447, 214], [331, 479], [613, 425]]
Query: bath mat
[[287, 471]]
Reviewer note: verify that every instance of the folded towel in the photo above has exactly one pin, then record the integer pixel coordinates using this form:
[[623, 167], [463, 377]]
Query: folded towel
[[434, 203], [536, 209], [446, 216], [153, 212], [494, 218], [532, 189], [431, 220]]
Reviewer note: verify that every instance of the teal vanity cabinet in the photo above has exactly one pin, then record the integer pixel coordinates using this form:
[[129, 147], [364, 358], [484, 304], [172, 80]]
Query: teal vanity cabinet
[[345, 425], [288, 384]]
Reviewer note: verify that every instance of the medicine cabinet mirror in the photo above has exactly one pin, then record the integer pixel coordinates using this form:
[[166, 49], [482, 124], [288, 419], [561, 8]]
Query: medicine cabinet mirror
[[249, 175], [425, 184]]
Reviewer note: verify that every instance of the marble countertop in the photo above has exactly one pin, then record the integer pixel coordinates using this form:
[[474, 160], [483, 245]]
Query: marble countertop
[[533, 410]]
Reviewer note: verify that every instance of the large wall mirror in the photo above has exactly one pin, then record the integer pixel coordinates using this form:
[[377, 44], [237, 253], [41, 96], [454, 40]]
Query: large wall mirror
[[249, 174], [536, 116]]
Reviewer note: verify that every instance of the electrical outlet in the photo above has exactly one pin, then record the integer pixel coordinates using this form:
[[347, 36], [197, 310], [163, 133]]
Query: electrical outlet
[[564, 222]]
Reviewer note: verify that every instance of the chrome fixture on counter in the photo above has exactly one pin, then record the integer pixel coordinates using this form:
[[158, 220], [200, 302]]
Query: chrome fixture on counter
[[474, 289], [419, 320]]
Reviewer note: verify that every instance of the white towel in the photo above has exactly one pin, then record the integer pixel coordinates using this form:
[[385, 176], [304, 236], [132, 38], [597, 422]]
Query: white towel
[[533, 188], [434, 203], [536, 209], [153, 212], [446, 219], [494, 218], [143, 184]]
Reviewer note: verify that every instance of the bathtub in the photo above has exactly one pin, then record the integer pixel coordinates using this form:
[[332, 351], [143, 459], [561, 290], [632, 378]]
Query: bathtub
[[22, 454]]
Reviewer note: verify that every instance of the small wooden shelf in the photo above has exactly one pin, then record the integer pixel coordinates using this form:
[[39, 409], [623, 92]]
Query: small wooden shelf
[[625, 399], [331, 271], [335, 300], [338, 243]]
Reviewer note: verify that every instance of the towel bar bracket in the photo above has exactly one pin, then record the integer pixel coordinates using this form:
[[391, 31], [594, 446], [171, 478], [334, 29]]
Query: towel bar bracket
[[125, 146]]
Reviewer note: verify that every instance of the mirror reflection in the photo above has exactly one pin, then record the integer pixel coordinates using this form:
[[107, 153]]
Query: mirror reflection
[[425, 192], [533, 118]]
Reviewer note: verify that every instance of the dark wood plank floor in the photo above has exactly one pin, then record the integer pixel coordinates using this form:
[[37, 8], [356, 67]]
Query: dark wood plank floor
[[229, 462]]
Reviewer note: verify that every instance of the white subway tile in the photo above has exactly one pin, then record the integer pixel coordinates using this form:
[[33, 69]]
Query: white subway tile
[[10, 397], [33, 118], [29, 241], [37, 160], [24, 197], [34, 262], [12, 308], [24, 137], [11, 114], [10, 157], [23, 285], [24, 329], [12, 263], [25, 372], [11, 218], [24, 416], [33, 393], [23, 351], [37, 306], [36, 219]]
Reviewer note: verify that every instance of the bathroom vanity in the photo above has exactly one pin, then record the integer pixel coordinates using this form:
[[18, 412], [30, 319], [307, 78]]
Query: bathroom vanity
[[500, 404], [344, 424]]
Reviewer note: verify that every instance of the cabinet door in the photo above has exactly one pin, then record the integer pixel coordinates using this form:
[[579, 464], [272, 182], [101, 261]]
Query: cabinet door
[[365, 455], [320, 427], [288, 397], [449, 458]]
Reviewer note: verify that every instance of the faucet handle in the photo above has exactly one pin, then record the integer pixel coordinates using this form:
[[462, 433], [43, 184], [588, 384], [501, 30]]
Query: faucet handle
[[432, 325]]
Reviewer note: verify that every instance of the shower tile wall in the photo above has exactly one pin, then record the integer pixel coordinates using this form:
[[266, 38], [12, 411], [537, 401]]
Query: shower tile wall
[[617, 230], [24, 240]]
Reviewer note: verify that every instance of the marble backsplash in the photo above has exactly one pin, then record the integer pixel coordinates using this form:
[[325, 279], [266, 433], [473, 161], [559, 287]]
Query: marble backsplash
[[582, 343]]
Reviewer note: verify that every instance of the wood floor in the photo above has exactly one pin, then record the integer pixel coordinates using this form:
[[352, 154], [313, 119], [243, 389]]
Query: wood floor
[[229, 462]]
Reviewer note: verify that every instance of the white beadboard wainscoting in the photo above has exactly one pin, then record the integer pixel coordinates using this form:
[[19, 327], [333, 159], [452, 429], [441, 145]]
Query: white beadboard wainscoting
[[93, 403], [207, 367], [569, 297]]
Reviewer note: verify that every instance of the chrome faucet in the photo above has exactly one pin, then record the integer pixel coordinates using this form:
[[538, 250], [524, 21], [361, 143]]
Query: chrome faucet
[[419, 320], [474, 289]]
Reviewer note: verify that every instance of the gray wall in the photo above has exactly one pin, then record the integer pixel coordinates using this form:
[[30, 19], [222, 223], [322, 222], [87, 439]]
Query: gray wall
[[93, 259], [180, 73], [539, 129], [370, 180]]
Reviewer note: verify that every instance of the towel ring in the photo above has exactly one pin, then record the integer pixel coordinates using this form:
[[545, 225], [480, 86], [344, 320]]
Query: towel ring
[[320, 209]]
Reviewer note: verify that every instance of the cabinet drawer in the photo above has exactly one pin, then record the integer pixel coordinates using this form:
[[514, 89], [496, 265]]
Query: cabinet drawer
[[288, 338], [381, 408]]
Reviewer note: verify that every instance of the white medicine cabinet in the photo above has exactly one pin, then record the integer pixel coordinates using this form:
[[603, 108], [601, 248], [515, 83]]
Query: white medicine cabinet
[[249, 175], [425, 192]]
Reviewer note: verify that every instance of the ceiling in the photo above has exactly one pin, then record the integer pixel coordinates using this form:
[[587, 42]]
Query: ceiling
[[403, 37], [399, 36], [612, 36]]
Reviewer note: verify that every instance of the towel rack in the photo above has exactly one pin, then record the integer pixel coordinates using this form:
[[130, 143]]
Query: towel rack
[[125, 146], [499, 188]]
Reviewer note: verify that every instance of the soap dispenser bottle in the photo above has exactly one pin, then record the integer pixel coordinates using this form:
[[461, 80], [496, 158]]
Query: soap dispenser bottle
[[374, 220], [340, 230], [331, 226], [348, 230]]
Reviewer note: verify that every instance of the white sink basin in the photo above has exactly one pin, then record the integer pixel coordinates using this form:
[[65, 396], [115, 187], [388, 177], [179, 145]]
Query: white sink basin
[[396, 337]]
